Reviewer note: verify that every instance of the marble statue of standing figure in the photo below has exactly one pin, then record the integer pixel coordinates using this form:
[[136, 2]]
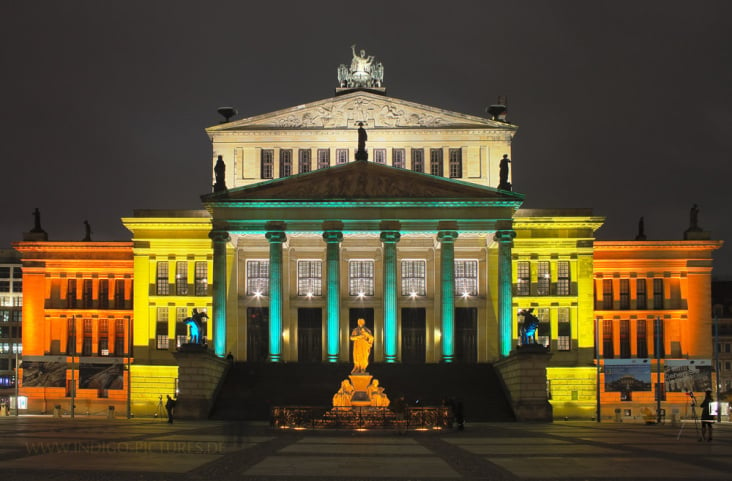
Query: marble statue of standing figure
[[363, 339], [220, 174], [694, 218], [37, 221]]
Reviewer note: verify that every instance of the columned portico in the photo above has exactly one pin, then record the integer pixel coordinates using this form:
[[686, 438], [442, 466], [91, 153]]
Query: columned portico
[[505, 294], [276, 239], [333, 239], [390, 238], [447, 288], [219, 238]]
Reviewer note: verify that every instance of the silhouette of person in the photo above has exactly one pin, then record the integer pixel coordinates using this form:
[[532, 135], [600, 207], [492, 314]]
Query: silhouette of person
[[707, 420], [170, 408]]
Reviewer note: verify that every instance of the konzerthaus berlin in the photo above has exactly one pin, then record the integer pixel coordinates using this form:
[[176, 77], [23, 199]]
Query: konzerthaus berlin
[[299, 239]]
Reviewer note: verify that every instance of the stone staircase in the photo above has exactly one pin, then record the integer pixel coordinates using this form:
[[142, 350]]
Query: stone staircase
[[250, 390]]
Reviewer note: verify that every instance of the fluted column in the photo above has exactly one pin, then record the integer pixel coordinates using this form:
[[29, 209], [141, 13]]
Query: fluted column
[[505, 294], [219, 238], [447, 288], [275, 238], [333, 239], [390, 239]]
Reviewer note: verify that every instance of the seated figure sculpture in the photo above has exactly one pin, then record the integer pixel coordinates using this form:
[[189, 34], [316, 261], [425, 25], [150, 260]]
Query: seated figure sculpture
[[376, 394], [342, 398]]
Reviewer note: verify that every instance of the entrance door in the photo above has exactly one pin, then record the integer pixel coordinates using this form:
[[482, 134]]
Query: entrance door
[[413, 335], [257, 334], [466, 335], [309, 335], [354, 314]]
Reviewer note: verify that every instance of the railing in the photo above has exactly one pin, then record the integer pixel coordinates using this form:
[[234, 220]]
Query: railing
[[308, 417]]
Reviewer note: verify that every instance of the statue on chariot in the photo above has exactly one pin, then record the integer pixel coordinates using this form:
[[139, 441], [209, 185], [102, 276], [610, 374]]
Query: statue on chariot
[[364, 71]]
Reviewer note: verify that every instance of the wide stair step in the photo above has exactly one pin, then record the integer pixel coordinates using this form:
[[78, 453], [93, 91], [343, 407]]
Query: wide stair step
[[250, 390]]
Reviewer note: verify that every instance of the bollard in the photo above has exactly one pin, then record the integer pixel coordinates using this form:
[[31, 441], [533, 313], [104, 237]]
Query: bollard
[[57, 411], [110, 412]]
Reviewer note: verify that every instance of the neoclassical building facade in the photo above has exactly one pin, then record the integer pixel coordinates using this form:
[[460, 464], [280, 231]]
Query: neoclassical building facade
[[299, 239]]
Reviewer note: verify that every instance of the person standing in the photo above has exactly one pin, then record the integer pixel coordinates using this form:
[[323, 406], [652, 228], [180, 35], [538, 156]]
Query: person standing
[[707, 419], [170, 407]]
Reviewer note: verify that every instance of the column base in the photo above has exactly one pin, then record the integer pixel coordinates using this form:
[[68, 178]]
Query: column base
[[390, 359], [447, 359], [275, 358], [332, 358]]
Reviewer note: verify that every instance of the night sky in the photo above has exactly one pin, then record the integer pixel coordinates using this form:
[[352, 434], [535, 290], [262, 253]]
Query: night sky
[[624, 107]]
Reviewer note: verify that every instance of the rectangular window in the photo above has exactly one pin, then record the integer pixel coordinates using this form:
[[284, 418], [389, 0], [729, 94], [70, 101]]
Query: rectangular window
[[659, 348], [103, 294], [119, 337], [309, 278], [624, 339], [161, 329], [341, 156], [456, 163], [625, 293], [323, 158], [523, 278], [71, 336], [103, 348], [544, 330], [397, 158], [86, 345], [162, 288], [418, 160], [181, 330], [71, 293], [119, 294], [5, 272], [564, 330], [181, 278], [607, 294], [201, 278], [641, 338], [641, 299], [17, 286], [466, 278], [543, 279], [285, 162], [436, 162], [267, 164], [380, 156], [413, 278], [304, 161], [608, 351], [257, 277], [86, 294], [563, 278], [361, 278], [658, 293]]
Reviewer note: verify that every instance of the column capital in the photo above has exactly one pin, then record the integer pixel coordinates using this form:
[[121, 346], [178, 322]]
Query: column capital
[[219, 236], [275, 236], [332, 236], [390, 236], [504, 236], [447, 235]]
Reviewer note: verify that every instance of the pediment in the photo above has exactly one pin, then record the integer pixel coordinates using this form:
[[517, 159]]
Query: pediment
[[374, 110], [365, 181]]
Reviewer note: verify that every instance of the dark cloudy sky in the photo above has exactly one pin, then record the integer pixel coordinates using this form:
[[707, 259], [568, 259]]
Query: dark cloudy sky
[[623, 106]]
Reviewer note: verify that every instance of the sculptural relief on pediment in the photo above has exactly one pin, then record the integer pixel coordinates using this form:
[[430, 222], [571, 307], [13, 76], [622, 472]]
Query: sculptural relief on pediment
[[372, 112]]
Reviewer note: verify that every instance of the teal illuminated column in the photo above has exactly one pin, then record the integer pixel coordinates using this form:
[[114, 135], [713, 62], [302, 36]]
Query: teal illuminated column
[[219, 239], [332, 265], [390, 239], [447, 288], [505, 295], [275, 238]]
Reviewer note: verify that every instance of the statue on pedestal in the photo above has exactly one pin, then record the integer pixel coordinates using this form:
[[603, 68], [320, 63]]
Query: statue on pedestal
[[528, 327], [363, 339], [503, 168], [87, 232], [364, 71], [196, 323], [361, 153], [220, 174], [37, 221], [376, 393], [342, 398]]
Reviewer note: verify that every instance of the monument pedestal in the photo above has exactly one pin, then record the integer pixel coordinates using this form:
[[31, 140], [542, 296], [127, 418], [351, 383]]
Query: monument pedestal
[[360, 384]]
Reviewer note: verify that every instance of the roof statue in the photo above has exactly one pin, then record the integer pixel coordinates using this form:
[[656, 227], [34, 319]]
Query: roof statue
[[364, 71], [87, 232], [361, 153]]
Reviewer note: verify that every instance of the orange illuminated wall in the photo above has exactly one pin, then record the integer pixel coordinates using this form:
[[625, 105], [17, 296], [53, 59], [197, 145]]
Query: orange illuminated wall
[[77, 300], [638, 282]]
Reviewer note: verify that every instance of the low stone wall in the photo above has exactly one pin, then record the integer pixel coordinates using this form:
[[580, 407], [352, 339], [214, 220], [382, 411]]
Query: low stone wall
[[200, 375], [524, 375]]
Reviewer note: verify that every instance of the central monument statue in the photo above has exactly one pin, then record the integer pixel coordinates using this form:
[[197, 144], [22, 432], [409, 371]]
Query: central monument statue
[[363, 339]]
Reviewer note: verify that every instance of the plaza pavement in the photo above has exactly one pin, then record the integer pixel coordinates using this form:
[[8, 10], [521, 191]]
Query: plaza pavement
[[88, 448]]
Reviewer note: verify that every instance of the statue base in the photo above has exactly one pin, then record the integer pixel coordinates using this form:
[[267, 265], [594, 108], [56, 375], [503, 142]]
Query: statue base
[[360, 383]]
